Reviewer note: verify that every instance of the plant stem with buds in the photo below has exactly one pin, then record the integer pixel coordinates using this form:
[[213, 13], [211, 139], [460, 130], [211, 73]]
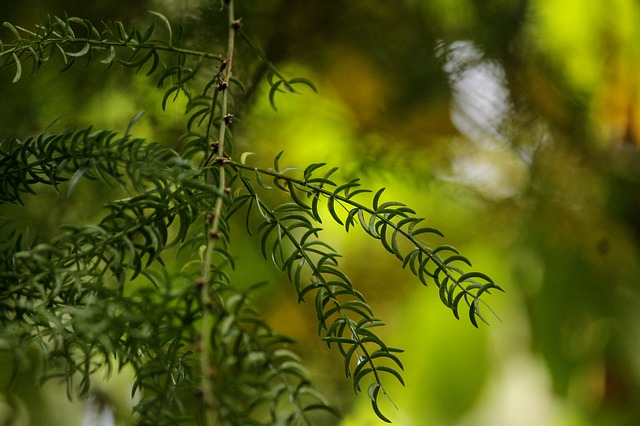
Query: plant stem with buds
[[214, 234]]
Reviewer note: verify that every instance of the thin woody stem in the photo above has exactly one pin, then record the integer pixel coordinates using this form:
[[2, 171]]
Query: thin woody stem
[[214, 232], [18, 48]]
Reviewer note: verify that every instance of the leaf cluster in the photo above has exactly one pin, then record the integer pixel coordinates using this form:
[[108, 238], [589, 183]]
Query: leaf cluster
[[392, 223], [73, 38], [54, 293], [290, 237], [100, 296], [255, 375]]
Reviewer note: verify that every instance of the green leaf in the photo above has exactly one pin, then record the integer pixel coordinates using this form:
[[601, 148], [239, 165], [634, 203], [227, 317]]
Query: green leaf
[[112, 55], [168, 93], [18, 74], [373, 391], [311, 168], [81, 52], [261, 182], [380, 353], [359, 373], [332, 210], [376, 198], [314, 207], [276, 160], [13, 29], [426, 230], [75, 179], [238, 83], [471, 275], [132, 62], [473, 311], [154, 63], [350, 221], [372, 226], [385, 207], [133, 121], [345, 187], [124, 37], [191, 72], [304, 81], [339, 339], [409, 259], [166, 22], [333, 411], [394, 244], [457, 258], [272, 93], [296, 198], [393, 372], [356, 192], [147, 33]]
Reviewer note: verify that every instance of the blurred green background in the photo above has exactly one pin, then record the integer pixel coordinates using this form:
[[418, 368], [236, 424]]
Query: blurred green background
[[511, 125]]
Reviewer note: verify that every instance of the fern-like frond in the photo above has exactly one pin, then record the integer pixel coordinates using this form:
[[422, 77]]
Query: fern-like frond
[[51, 292], [392, 223], [168, 196], [74, 37], [97, 296], [255, 377], [289, 238], [131, 163]]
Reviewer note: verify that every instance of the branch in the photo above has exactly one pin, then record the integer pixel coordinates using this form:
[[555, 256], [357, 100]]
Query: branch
[[214, 232], [347, 324], [454, 284], [58, 33]]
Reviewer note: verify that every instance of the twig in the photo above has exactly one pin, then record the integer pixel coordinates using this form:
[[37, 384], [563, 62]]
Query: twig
[[214, 233]]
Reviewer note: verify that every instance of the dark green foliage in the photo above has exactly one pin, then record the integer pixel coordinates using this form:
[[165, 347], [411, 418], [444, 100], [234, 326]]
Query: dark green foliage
[[101, 296], [73, 38]]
